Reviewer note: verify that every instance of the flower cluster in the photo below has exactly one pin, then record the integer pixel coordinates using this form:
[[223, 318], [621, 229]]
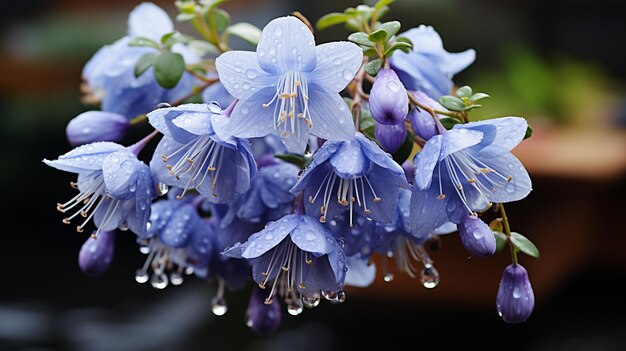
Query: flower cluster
[[284, 166]]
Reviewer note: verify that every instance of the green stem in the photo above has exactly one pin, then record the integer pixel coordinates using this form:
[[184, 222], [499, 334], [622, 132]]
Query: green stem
[[507, 232]]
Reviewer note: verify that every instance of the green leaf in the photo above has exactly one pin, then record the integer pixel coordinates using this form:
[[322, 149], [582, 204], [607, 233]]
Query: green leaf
[[331, 19], [448, 122], [245, 31], [219, 18], [143, 41], [529, 132], [391, 28], [203, 48], [360, 38], [373, 67], [144, 62], [404, 40], [210, 4], [524, 245], [379, 35], [399, 45], [478, 96], [452, 103], [167, 37], [168, 68], [294, 159], [382, 3], [500, 240], [464, 91], [404, 150], [472, 107]]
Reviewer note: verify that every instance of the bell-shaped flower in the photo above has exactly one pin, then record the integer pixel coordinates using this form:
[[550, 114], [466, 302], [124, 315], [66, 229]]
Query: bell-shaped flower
[[515, 300], [109, 75], [289, 86], [262, 318], [465, 170], [477, 237], [422, 122], [388, 102], [390, 136], [355, 176], [96, 254], [294, 257], [197, 153], [92, 126], [428, 66], [115, 188]]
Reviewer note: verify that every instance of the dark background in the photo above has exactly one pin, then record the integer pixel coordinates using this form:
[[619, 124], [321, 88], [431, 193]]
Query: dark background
[[558, 63]]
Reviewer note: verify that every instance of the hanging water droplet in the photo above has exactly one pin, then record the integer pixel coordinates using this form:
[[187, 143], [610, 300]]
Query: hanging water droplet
[[162, 105], [159, 281], [141, 276], [341, 296], [429, 276], [388, 277], [163, 189], [295, 307], [517, 292], [176, 278], [311, 301], [123, 226], [144, 249], [218, 306], [329, 295], [189, 270], [249, 322]]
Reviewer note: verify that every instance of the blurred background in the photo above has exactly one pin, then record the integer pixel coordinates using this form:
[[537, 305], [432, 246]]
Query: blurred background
[[558, 63]]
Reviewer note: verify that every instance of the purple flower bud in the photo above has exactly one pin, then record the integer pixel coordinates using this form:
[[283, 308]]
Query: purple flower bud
[[409, 170], [515, 300], [477, 237], [96, 255], [421, 121], [263, 318], [92, 126], [389, 103], [390, 136]]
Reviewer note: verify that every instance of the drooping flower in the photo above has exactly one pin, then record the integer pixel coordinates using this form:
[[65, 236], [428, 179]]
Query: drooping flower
[[515, 300], [477, 237], [260, 317], [115, 188], [390, 136], [355, 176], [428, 66], [96, 254], [296, 258], [290, 86], [109, 74], [422, 122], [465, 170], [388, 102], [92, 126], [197, 153]]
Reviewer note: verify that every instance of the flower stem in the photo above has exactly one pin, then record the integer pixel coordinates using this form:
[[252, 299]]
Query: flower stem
[[358, 95], [507, 232], [138, 146], [195, 91]]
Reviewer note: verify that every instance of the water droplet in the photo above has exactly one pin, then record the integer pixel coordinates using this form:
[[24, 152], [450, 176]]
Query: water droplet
[[295, 307], [159, 281], [144, 250], [429, 276], [510, 188], [123, 226], [252, 73], [176, 278], [218, 306], [246, 85], [141, 276], [393, 86], [309, 235], [236, 85], [341, 296], [388, 277], [311, 301], [261, 52], [329, 295], [278, 31], [517, 292], [162, 105], [337, 61], [347, 74]]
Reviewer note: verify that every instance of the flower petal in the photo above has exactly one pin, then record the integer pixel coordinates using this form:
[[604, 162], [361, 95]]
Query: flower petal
[[120, 174], [349, 161], [241, 75], [426, 160], [458, 139], [250, 119], [295, 138], [312, 237], [85, 157], [330, 115], [505, 132], [195, 123], [337, 63], [319, 158], [427, 212], [384, 160], [387, 188], [508, 166], [162, 120], [286, 44], [177, 231], [360, 273], [150, 21], [270, 237]]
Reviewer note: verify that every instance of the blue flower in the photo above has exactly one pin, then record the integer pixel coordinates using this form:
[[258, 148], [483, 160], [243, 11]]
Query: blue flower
[[390, 136], [388, 102], [178, 241], [465, 170], [515, 300], [110, 77], [355, 176], [422, 122], [92, 126], [197, 153], [294, 256], [429, 67], [96, 254], [115, 188], [290, 86], [261, 317]]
